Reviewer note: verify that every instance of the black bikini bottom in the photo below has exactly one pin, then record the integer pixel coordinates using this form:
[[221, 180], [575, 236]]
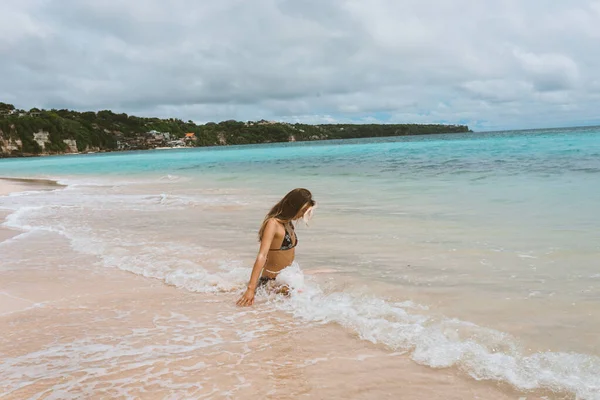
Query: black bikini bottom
[[264, 280]]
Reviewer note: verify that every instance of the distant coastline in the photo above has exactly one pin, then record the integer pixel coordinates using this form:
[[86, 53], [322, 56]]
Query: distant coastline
[[46, 132]]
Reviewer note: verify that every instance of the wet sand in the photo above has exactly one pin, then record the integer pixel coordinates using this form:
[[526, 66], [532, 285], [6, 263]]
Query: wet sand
[[70, 332], [15, 185]]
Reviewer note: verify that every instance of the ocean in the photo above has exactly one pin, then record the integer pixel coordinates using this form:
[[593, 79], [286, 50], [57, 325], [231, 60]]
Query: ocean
[[437, 266]]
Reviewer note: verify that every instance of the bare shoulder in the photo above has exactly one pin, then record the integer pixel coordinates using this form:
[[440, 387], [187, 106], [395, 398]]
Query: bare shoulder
[[274, 226], [272, 229], [272, 223]]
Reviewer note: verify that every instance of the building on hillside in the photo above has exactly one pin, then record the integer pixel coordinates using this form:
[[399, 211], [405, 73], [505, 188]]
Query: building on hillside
[[122, 145], [159, 135], [155, 138], [189, 138]]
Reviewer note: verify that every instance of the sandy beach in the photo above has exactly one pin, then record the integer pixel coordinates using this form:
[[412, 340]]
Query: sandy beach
[[9, 302], [74, 332], [122, 336]]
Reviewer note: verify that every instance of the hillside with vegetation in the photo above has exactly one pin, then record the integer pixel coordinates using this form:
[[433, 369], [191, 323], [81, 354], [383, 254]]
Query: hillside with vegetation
[[38, 132]]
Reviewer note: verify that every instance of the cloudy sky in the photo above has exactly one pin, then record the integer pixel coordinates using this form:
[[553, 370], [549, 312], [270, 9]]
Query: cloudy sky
[[492, 64]]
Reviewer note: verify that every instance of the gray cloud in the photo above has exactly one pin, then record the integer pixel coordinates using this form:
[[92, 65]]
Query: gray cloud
[[491, 64]]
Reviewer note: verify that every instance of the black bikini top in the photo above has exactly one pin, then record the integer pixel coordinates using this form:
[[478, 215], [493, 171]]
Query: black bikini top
[[287, 243]]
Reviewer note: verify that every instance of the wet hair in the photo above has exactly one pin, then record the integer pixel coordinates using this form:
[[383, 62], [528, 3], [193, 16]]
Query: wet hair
[[288, 208]]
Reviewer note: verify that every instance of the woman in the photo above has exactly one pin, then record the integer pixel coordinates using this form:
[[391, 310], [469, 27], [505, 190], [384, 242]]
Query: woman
[[278, 240]]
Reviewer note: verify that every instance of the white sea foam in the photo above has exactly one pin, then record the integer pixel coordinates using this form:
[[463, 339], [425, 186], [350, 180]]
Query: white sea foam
[[29, 193], [179, 200], [17, 219], [81, 181], [170, 178], [484, 354], [526, 256], [292, 277]]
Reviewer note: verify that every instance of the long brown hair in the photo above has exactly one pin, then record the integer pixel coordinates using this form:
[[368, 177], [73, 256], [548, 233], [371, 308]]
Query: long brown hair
[[287, 208]]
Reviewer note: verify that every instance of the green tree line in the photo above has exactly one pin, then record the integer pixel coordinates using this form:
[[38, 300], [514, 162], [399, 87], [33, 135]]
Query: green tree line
[[103, 129]]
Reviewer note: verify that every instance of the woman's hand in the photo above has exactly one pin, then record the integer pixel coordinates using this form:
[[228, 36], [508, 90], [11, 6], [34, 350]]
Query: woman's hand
[[247, 299]]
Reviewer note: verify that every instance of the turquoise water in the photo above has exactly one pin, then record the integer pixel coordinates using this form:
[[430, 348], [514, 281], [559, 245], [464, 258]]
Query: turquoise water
[[541, 187], [474, 156], [549, 178], [545, 183]]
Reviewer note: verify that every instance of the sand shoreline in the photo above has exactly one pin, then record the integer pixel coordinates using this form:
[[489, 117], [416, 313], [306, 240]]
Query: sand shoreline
[[74, 315], [8, 186], [104, 332], [8, 302]]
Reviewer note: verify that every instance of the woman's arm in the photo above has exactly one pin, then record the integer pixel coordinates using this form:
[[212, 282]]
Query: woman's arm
[[265, 244]]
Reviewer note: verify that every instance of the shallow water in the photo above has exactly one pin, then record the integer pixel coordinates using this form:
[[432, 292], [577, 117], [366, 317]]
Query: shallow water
[[473, 256]]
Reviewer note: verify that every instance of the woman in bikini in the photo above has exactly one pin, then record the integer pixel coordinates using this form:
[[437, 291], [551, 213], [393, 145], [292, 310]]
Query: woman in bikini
[[278, 240]]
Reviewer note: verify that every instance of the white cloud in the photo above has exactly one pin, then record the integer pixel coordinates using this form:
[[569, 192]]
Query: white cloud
[[549, 71], [491, 64]]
